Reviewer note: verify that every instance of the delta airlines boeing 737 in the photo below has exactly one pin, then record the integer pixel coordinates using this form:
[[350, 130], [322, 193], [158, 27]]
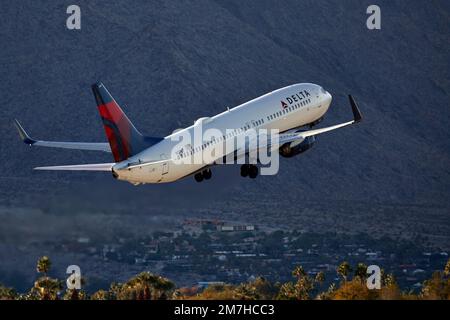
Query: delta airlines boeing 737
[[290, 112]]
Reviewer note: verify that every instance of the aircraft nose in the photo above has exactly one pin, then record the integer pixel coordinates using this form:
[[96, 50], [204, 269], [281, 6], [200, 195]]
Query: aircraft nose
[[328, 98]]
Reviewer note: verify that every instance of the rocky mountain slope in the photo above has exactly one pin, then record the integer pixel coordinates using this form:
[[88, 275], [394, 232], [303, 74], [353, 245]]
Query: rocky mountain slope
[[170, 62]]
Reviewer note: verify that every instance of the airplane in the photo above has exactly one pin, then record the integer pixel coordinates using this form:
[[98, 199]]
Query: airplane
[[141, 159]]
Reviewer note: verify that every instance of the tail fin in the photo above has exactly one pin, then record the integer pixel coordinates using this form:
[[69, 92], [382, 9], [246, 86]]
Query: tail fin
[[125, 140]]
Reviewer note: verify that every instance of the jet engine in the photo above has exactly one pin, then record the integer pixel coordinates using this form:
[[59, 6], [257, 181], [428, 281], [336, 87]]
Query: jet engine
[[294, 148]]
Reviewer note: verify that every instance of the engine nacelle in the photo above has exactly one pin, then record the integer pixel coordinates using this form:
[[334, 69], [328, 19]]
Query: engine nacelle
[[291, 149]]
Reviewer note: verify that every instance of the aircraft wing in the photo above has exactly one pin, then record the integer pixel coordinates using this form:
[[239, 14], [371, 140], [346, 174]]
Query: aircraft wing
[[357, 117], [96, 146], [266, 143]]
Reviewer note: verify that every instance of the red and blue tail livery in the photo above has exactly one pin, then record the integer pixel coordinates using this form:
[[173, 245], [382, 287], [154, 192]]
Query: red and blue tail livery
[[124, 139]]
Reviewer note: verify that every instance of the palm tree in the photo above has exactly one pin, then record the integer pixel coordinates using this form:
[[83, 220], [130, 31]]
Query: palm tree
[[101, 295], [299, 290], [436, 288], [43, 265], [361, 271], [447, 268], [143, 282], [299, 272], [76, 294], [245, 292], [163, 287], [327, 295], [46, 288], [343, 270], [7, 293], [146, 286], [320, 277], [389, 280]]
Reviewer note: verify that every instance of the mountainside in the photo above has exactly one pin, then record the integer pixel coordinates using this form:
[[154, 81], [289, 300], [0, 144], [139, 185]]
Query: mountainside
[[170, 62]]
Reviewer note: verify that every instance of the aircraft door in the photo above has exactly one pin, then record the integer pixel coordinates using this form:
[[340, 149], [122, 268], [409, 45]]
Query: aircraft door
[[165, 165], [165, 168]]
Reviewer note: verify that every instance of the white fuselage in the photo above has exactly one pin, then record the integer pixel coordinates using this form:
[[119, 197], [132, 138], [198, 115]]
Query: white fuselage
[[283, 109]]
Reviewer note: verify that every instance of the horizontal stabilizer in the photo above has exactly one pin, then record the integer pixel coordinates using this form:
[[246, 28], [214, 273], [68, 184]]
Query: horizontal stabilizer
[[94, 146], [81, 167]]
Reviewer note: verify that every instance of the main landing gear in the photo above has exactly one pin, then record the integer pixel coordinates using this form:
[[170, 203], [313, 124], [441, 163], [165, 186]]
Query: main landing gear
[[205, 174], [249, 170]]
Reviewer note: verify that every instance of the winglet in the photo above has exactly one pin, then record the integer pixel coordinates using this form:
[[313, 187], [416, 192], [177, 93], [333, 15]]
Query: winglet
[[357, 116], [23, 135]]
